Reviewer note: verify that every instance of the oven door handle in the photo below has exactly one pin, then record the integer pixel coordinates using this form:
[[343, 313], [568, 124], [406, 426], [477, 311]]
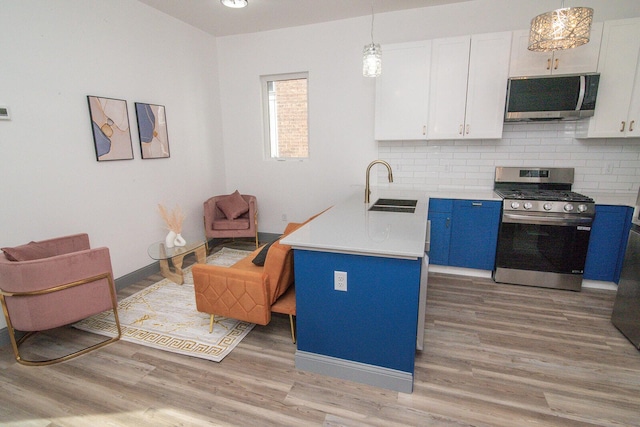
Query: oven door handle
[[546, 220]]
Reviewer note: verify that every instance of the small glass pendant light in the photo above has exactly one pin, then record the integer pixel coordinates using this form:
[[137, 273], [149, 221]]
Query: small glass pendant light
[[563, 28], [371, 60], [372, 56]]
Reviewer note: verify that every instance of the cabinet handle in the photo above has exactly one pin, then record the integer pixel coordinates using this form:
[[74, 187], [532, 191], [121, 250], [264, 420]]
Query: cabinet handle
[[556, 65], [467, 130], [476, 203], [631, 125], [549, 64], [424, 130], [622, 125], [460, 130], [447, 223]]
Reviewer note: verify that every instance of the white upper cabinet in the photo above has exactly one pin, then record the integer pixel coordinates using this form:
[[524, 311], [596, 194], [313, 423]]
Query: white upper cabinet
[[468, 86], [582, 59], [402, 92], [617, 112]]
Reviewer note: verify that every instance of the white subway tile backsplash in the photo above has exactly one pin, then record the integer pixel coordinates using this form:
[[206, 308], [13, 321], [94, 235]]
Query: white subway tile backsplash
[[601, 164]]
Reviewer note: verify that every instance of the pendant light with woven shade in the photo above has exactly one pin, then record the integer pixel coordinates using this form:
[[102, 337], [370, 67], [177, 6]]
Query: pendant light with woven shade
[[563, 28]]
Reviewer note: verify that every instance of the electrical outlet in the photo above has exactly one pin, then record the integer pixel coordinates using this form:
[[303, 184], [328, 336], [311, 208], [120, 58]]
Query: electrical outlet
[[340, 281]]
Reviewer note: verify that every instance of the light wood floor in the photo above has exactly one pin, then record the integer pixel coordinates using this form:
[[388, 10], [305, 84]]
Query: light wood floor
[[496, 355]]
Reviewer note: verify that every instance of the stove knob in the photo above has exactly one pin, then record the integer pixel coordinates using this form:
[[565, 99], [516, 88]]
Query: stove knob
[[568, 207], [515, 205], [582, 208], [547, 206], [528, 205]]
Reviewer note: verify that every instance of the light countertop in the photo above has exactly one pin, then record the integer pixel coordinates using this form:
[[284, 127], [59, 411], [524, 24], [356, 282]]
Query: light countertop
[[464, 195], [349, 227], [600, 197], [608, 198]]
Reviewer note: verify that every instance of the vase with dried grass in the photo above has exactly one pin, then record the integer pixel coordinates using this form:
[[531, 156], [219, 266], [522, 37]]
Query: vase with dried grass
[[173, 219]]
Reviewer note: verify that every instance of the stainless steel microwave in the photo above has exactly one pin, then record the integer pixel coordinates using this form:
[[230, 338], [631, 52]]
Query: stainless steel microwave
[[564, 97]]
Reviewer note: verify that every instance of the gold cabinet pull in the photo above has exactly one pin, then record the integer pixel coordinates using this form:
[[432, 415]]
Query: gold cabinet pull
[[549, 64], [631, 125], [467, 130], [460, 130], [556, 65], [623, 124]]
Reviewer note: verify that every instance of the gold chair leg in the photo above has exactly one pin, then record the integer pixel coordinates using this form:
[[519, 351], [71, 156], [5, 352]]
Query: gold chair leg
[[15, 343], [212, 320], [293, 333], [255, 220]]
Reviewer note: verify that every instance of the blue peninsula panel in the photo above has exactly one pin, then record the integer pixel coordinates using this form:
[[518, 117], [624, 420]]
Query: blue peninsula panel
[[374, 322]]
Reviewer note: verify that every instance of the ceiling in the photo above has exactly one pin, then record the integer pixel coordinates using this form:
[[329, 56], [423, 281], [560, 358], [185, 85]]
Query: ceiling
[[261, 15]]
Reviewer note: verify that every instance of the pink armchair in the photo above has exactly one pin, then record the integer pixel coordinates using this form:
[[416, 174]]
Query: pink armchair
[[53, 283], [231, 216]]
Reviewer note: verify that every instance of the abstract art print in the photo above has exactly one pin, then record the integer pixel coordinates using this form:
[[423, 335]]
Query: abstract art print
[[110, 128], [152, 127]]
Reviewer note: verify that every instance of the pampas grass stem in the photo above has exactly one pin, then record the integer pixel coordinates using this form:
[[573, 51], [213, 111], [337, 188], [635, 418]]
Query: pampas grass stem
[[173, 218]]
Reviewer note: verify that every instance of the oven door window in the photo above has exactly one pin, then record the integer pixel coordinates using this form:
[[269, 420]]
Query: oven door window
[[549, 248]]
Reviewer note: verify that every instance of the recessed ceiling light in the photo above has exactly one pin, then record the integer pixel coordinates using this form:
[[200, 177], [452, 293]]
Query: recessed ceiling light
[[236, 4]]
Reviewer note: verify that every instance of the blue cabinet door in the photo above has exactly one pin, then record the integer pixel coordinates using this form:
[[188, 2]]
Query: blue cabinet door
[[474, 235], [440, 217], [607, 243], [440, 237]]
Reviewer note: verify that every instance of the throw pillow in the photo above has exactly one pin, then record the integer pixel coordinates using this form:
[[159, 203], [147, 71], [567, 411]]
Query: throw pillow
[[28, 252], [262, 255], [233, 205]]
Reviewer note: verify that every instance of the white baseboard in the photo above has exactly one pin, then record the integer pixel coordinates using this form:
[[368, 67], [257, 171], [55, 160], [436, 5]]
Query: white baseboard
[[433, 268], [377, 376]]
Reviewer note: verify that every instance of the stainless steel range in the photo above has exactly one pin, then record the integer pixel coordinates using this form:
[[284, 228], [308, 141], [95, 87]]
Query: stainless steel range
[[544, 229]]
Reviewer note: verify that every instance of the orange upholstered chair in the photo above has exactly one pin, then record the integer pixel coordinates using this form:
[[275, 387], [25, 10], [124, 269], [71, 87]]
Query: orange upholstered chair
[[246, 291], [52, 283], [250, 292]]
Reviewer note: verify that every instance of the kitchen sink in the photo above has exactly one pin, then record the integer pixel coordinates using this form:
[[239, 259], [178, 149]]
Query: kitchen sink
[[394, 205], [392, 209], [396, 202]]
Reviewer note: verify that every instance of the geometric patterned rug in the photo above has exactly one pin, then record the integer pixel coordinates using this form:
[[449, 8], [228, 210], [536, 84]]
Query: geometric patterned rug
[[164, 316]]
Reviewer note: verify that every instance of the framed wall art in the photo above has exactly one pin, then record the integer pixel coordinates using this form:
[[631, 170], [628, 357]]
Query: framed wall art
[[110, 128], [152, 128]]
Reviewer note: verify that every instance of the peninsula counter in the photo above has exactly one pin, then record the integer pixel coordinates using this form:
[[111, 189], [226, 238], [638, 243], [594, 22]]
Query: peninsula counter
[[358, 276]]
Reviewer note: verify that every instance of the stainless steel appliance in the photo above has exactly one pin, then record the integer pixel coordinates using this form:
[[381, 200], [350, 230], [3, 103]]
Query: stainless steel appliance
[[626, 308], [563, 97], [544, 228]]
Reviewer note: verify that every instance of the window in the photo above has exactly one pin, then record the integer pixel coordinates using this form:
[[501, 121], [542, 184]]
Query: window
[[285, 116]]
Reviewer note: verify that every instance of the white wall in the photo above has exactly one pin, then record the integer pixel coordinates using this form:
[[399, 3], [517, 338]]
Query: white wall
[[54, 54], [341, 105], [340, 127]]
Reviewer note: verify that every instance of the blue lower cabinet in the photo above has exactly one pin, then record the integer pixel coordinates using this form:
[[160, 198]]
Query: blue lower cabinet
[[440, 237], [440, 211], [607, 243], [373, 322], [464, 233], [474, 234]]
